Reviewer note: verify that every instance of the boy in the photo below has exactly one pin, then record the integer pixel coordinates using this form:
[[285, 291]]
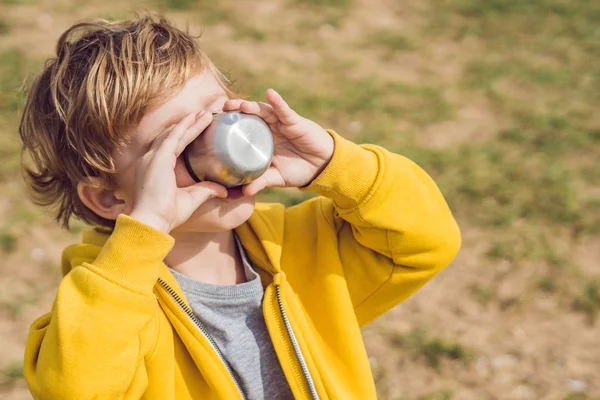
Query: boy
[[189, 290]]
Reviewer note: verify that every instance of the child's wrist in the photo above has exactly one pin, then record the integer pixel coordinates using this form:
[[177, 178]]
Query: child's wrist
[[153, 221]]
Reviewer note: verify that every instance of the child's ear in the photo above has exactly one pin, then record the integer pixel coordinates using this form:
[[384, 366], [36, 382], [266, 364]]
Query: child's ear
[[104, 202]]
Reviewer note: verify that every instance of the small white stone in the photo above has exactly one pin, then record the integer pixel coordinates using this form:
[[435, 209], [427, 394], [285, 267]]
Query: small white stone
[[355, 127], [482, 362], [576, 385], [326, 30], [37, 254], [505, 361], [482, 365]]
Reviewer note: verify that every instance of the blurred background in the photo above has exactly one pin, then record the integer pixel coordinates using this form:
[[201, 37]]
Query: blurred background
[[497, 99]]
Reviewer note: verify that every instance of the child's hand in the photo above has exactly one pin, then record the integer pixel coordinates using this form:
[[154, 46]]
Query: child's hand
[[302, 147], [158, 201]]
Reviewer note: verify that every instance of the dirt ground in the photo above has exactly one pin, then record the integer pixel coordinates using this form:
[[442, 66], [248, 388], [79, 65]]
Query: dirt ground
[[496, 324]]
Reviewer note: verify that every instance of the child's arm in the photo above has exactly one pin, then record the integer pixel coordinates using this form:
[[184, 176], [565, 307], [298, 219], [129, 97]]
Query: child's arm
[[102, 327], [103, 324], [394, 228], [392, 224]]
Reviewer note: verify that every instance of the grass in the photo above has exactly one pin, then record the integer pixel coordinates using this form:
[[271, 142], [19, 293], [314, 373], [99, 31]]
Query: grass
[[341, 4], [350, 97], [18, 2], [527, 244], [581, 396], [509, 183], [588, 301], [209, 12], [21, 215], [432, 350], [13, 67], [4, 26], [243, 31], [483, 293], [551, 134], [544, 174], [482, 72], [436, 349], [547, 284], [502, 22], [379, 104], [176, 4], [496, 78], [25, 213], [8, 242], [536, 52], [506, 8], [288, 197], [393, 41], [321, 13], [584, 12], [444, 394], [13, 370], [18, 305]]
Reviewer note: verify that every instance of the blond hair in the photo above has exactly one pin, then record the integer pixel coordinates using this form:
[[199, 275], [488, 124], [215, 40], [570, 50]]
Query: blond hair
[[104, 78]]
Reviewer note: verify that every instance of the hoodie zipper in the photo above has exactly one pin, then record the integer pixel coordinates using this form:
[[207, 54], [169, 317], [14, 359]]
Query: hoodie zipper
[[204, 332], [300, 357], [309, 381]]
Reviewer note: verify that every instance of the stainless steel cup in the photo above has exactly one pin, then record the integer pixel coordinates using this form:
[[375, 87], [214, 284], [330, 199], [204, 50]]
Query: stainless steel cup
[[233, 150]]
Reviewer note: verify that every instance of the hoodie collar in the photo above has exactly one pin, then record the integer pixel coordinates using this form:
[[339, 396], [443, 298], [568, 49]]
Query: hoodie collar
[[261, 236]]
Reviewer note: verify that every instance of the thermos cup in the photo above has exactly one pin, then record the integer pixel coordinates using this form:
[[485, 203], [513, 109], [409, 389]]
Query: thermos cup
[[233, 150]]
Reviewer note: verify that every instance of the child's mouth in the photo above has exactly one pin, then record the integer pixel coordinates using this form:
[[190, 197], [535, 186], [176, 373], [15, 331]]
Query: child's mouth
[[234, 193]]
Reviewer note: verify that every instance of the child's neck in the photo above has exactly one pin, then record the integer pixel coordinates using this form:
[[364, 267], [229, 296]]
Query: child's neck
[[207, 257]]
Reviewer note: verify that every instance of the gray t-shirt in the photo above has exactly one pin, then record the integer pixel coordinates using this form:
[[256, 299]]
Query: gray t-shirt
[[233, 316]]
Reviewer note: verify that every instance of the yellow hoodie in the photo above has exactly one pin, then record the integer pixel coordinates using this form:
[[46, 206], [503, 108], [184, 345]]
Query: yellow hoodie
[[120, 327]]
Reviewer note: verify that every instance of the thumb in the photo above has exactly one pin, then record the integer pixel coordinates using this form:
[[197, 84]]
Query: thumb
[[271, 178], [199, 193]]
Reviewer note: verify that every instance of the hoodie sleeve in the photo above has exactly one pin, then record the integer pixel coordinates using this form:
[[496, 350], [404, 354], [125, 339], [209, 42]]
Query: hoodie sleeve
[[102, 325], [394, 228]]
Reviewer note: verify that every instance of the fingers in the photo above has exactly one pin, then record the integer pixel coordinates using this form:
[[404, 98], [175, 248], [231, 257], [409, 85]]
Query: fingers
[[168, 139], [277, 109], [201, 192], [175, 140], [232, 105], [283, 111], [262, 110], [203, 119], [271, 178]]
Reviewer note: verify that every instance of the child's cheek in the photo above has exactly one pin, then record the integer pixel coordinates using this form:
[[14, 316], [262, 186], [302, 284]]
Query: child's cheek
[[182, 176]]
